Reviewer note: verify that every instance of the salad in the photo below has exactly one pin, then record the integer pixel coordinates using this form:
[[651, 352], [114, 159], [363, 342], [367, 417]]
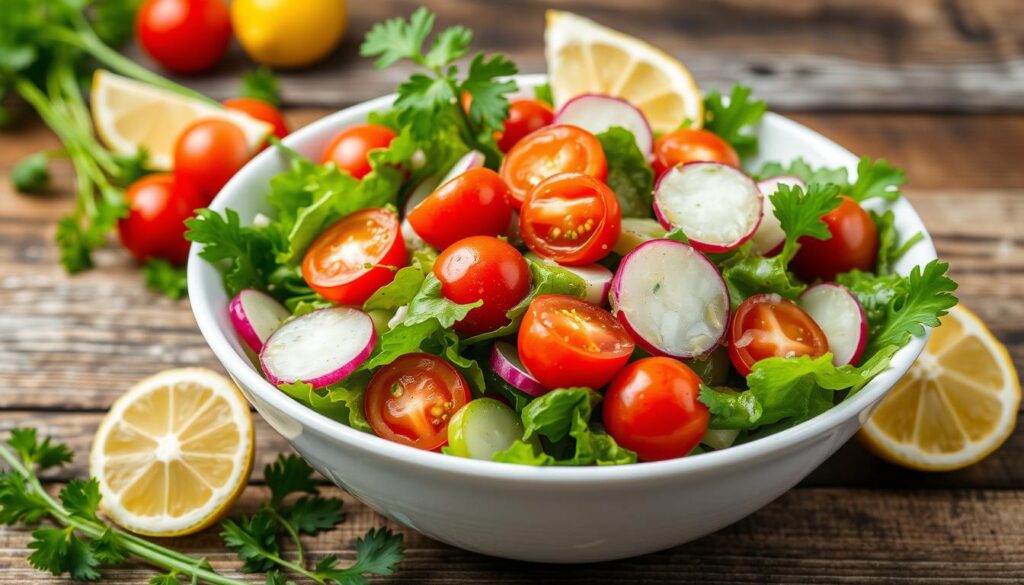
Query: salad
[[491, 276]]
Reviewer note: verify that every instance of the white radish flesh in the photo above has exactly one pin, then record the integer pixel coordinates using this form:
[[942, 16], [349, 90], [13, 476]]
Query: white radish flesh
[[841, 318], [255, 316], [419, 194], [672, 299], [471, 160], [596, 113], [506, 363], [717, 206], [635, 231], [319, 348], [597, 277], [769, 237], [412, 240]]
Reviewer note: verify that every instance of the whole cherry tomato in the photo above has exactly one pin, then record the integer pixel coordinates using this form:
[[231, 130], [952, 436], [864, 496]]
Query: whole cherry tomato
[[524, 116], [688, 145], [184, 36], [158, 206], [209, 152], [260, 110], [853, 245], [572, 218], [768, 325], [550, 151], [475, 203], [350, 149], [483, 268]]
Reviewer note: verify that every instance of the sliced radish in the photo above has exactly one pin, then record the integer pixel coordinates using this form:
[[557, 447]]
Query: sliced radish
[[596, 113], [672, 299], [419, 194], [471, 160], [769, 237], [506, 363], [256, 316], [841, 318], [597, 277], [718, 207], [635, 231], [319, 348], [412, 240]]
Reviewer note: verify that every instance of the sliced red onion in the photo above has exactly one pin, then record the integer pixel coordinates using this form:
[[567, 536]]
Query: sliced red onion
[[506, 363]]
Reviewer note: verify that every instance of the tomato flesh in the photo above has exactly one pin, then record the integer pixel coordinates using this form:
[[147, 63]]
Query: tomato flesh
[[483, 268], [412, 399], [184, 36], [350, 149], [689, 145], [209, 152], [651, 407], [853, 245], [475, 203], [564, 341], [768, 325], [524, 117], [260, 110], [353, 258], [571, 218], [550, 151], [158, 206]]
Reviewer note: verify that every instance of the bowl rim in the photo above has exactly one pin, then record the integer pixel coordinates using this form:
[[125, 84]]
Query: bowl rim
[[198, 272]]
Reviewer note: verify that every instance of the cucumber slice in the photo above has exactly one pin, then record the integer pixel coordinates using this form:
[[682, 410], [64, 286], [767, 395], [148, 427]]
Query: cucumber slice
[[482, 428]]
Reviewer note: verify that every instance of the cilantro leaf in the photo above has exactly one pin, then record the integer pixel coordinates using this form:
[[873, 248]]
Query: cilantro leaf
[[74, 250], [113, 20], [490, 104], [162, 276], [165, 579], [450, 44], [81, 498], [262, 84], [876, 179], [929, 295], [19, 503], [890, 250], [107, 548], [735, 122], [288, 475], [252, 538], [314, 514], [59, 551], [801, 168], [377, 553], [396, 39], [629, 174], [247, 252], [41, 453], [31, 175]]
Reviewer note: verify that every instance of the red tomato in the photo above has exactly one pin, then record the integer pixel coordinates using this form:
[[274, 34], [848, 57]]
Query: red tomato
[[209, 152], [260, 110], [565, 341], [350, 149], [184, 36], [475, 203], [411, 400], [550, 151], [571, 218], [483, 267], [853, 245], [686, 145], [768, 325], [651, 407], [524, 116], [354, 257], [158, 206]]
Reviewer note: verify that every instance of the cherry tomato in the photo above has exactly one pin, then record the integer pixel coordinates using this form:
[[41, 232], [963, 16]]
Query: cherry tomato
[[260, 110], [687, 145], [853, 245], [350, 149], [524, 116], [565, 341], [483, 267], [550, 151], [353, 258], [475, 203], [209, 152], [411, 400], [651, 407], [768, 325], [571, 218], [158, 206], [184, 36]]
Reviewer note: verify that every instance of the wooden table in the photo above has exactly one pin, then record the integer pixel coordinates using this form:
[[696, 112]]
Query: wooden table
[[932, 85]]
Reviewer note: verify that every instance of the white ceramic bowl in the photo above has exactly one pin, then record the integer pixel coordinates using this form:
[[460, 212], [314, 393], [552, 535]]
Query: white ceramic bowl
[[561, 515]]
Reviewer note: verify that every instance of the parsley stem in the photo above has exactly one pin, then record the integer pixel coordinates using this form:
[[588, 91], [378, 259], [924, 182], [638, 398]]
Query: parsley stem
[[299, 554]]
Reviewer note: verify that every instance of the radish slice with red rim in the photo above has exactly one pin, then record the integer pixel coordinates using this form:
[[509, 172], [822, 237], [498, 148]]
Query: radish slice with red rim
[[255, 316], [506, 364], [596, 113], [769, 237], [597, 277], [319, 348], [672, 299], [841, 318], [718, 207], [471, 160]]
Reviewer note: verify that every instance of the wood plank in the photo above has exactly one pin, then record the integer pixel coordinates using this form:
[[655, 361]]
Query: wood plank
[[941, 55], [807, 536]]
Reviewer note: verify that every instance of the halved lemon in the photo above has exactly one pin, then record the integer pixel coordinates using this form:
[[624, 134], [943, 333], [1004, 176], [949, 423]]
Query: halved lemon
[[586, 57], [957, 404], [174, 452], [130, 115]]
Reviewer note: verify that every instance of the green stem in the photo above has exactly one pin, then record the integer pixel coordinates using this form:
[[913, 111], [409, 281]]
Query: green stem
[[300, 555], [293, 567]]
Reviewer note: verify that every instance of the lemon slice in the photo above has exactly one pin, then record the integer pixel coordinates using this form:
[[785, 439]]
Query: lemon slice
[[586, 57], [130, 115], [957, 404], [174, 452]]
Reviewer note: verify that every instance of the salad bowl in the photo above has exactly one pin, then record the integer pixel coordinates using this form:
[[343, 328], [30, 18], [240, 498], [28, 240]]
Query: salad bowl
[[544, 514]]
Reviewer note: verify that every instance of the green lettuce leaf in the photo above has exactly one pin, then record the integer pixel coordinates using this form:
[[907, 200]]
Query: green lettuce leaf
[[342, 401], [629, 174]]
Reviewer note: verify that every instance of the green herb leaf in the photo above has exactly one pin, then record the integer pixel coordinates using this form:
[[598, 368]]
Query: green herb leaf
[[543, 94], [810, 175], [629, 174], [929, 295], [490, 102], [247, 252], [450, 44], [59, 551], [40, 453], [81, 498], [377, 553], [19, 503], [396, 39], [262, 84], [163, 277], [165, 579], [890, 250], [314, 514], [288, 475], [876, 179], [735, 123], [31, 175], [253, 539], [108, 549]]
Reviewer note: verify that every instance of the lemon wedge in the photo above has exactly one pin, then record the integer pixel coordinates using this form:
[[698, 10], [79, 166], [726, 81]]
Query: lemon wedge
[[174, 452], [957, 404], [130, 115], [586, 57]]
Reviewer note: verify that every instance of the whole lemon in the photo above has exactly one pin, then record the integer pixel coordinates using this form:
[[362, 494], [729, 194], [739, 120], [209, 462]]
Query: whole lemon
[[288, 33]]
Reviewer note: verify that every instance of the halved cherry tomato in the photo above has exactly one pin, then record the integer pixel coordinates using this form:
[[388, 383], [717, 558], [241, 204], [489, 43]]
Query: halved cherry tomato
[[483, 268], [260, 110], [524, 116], [565, 341], [209, 152], [411, 400], [353, 258], [853, 245], [351, 148], [651, 407], [158, 206], [550, 151], [185, 36], [475, 203], [688, 145], [768, 325], [573, 219]]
